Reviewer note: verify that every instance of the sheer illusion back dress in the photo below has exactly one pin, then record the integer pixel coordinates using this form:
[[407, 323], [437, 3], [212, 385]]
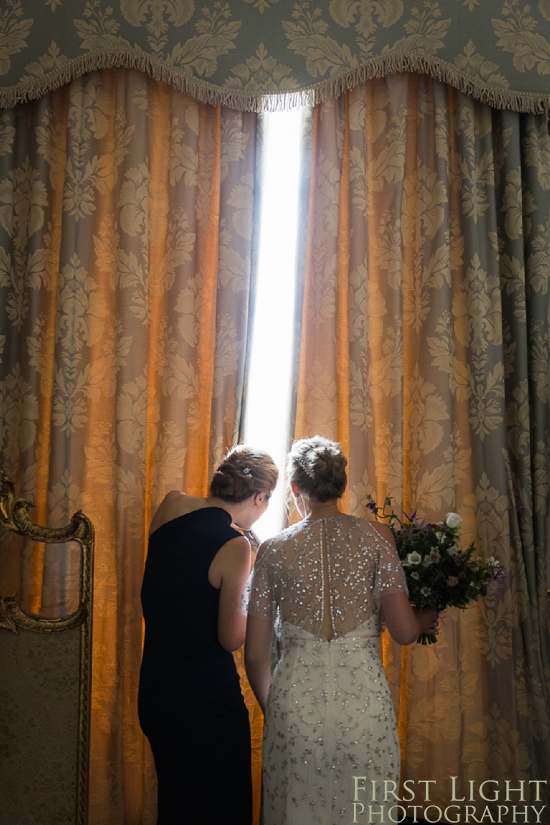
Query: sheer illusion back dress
[[330, 713], [190, 703]]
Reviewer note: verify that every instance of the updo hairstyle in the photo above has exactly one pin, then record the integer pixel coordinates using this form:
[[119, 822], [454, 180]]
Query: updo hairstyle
[[243, 473], [318, 466]]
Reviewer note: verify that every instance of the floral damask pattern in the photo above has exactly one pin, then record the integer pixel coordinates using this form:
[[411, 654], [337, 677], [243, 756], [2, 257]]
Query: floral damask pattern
[[126, 237], [240, 53], [424, 351], [126, 243]]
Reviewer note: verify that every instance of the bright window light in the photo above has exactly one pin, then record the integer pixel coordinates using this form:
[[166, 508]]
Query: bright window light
[[270, 370]]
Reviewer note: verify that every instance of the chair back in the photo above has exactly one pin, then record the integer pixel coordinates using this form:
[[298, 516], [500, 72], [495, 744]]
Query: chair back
[[45, 683]]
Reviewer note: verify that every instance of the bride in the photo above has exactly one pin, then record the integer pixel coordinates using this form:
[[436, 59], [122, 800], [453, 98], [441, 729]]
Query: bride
[[331, 579]]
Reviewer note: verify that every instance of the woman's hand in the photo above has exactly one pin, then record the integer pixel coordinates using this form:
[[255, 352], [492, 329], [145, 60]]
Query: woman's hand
[[428, 620], [257, 656]]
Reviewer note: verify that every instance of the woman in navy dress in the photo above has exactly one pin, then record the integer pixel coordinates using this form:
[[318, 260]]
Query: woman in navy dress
[[190, 703]]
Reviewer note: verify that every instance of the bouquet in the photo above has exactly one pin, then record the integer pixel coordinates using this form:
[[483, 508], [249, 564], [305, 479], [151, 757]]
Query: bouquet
[[438, 572]]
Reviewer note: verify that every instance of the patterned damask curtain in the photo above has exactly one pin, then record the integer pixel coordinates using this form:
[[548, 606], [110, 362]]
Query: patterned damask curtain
[[425, 352], [126, 238]]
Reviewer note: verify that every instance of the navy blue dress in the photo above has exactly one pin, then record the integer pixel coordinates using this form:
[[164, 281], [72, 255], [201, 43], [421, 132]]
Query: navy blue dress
[[190, 703]]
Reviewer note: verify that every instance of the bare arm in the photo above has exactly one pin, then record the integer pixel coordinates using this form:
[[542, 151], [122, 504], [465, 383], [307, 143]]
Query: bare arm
[[229, 572], [404, 622], [399, 618], [257, 647], [257, 653]]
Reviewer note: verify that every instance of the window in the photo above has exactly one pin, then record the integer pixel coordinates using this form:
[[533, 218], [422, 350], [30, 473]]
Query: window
[[270, 369]]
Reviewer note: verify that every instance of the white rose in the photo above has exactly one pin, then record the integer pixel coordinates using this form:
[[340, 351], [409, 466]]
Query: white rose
[[452, 519], [414, 557], [452, 551]]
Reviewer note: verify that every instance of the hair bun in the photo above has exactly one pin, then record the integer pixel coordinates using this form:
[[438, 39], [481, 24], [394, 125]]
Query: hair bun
[[231, 483], [322, 462], [224, 481], [318, 466], [242, 473]]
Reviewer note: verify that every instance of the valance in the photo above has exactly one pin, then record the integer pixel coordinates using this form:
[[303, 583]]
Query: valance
[[255, 55]]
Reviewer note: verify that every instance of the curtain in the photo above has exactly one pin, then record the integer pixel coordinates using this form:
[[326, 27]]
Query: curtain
[[126, 238], [425, 351], [271, 54]]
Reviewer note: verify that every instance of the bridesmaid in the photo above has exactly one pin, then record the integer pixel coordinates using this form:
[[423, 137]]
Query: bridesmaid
[[190, 703]]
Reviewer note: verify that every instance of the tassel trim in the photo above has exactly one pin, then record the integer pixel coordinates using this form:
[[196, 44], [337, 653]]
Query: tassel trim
[[269, 100]]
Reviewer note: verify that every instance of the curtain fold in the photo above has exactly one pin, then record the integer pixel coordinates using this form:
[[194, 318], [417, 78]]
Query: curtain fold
[[126, 233], [424, 351], [126, 237]]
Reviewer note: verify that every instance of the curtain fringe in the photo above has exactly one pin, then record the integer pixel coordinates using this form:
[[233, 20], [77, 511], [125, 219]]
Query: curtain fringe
[[273, 100]]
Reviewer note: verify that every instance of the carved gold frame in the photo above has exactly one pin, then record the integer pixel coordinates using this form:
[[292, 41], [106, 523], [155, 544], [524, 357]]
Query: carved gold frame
[[14, 516]]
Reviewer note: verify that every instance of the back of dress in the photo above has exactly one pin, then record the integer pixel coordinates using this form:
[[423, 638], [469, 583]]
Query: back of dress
[[330, 714], [289, 575], [186, 675]]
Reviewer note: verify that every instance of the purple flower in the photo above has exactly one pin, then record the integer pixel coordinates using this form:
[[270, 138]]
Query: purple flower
[[496, 583], [371, 505]]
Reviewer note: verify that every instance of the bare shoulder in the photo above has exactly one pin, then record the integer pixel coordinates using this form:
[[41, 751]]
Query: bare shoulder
[[231, 561], [174, 504], [233, 551], [172, 495], [236, 547], [180, 499]]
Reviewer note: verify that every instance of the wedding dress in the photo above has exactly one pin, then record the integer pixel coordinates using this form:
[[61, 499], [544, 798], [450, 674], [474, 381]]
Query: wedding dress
[[330, 715]]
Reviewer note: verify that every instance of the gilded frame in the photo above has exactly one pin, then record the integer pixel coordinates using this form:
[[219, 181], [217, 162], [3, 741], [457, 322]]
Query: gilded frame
[[14, 516]]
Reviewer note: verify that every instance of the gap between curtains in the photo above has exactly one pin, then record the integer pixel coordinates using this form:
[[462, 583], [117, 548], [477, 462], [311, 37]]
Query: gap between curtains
[[126, 222]]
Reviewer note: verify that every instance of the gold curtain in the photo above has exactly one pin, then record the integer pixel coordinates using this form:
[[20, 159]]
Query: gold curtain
[[424, 351], [126, 238]]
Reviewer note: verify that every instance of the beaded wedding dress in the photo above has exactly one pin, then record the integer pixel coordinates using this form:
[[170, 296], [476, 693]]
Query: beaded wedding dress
[[330, 714]]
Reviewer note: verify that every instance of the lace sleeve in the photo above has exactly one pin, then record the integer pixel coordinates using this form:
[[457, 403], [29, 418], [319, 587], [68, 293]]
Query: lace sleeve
[[254, 545], [245, 598], [389, 577], [262, 602]]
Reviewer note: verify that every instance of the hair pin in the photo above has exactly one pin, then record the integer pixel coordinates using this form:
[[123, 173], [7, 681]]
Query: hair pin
[[307, 470]]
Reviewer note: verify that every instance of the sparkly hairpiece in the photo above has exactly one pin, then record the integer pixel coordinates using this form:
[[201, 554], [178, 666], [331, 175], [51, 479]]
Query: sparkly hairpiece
[[307, 470], [247, 471]]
